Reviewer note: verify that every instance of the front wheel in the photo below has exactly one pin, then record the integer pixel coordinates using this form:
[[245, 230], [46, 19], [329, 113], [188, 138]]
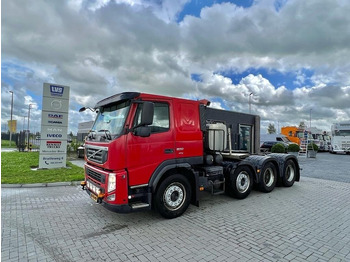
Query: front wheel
[[268, 178], [289, 174], [240, 182], [173, 196]]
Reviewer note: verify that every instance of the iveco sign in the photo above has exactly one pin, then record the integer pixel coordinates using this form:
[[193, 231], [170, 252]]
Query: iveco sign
[[54, 126], [54, 135]]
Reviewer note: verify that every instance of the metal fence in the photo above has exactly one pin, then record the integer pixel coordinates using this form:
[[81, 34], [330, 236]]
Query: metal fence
[[28, 142], [24, 141], [21, 141]]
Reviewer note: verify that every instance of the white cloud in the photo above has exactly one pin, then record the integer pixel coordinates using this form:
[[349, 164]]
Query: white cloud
[[103, 47], [216, 105]]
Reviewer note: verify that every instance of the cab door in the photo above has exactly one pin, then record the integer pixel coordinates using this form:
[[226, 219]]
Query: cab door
[[145, 154]]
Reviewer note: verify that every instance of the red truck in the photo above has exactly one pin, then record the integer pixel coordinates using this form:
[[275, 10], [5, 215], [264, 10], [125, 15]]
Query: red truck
[[149, 151]]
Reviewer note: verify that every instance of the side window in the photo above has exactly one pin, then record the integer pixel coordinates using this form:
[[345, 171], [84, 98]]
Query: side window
[[161, 121], [137, 119]]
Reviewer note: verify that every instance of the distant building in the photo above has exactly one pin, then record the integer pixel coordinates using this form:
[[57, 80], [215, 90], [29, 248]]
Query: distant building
[[83, 130]]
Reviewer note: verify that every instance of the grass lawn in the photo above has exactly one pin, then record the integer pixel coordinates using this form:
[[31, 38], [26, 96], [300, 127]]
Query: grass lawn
[[6, 144], [16, 169]]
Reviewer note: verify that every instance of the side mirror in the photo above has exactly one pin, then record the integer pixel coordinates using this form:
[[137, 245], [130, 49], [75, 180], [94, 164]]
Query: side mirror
[[147, 114], [142, 131], [84, 108]]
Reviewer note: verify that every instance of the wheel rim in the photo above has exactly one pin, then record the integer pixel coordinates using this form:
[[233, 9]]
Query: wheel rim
[[242, 182], [290, 173], [174, 196], [269, 177]]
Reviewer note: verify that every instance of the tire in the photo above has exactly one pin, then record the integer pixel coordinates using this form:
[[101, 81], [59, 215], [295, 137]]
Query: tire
[[173, 196], [289, 174], [240, 182], [268, 178]]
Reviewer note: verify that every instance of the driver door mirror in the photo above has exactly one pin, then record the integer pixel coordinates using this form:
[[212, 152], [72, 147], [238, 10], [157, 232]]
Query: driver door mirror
[[142, 131], [147, 114]]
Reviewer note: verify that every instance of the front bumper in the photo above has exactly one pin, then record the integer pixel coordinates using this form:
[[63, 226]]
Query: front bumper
[[115, 208]]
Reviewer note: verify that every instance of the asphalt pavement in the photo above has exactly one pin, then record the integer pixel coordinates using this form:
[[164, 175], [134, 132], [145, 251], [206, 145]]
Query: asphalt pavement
[[78, 162]]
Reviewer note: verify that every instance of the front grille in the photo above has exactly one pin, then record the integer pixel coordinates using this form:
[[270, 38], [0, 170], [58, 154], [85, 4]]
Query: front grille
[[345, 145], [95, 175], [98, 155]]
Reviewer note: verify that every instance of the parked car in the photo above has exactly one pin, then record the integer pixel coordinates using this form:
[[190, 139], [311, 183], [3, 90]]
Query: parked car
[[275, 137], [267, 145]]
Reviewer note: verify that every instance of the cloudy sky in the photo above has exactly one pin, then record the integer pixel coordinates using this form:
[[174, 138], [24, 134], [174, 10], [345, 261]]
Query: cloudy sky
[[292, 56]]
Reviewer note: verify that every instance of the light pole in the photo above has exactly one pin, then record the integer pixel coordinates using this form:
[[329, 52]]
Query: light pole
[[11, 117], [29, 107], [24, 121], [310, 119]]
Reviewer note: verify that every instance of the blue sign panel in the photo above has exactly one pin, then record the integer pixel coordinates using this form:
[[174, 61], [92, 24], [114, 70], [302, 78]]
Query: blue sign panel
[[56, 90]]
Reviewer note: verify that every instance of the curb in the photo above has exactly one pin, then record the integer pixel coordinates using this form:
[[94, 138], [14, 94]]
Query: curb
[[55, 184]]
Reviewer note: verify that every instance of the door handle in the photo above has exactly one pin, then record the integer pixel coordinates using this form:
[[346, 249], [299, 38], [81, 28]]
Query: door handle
[[169, 151]]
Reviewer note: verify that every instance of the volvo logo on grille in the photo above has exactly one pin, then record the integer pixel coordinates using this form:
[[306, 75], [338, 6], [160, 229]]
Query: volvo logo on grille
[[95, 154]]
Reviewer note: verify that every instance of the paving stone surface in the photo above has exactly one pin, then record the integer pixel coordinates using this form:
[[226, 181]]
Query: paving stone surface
[[307, 222]]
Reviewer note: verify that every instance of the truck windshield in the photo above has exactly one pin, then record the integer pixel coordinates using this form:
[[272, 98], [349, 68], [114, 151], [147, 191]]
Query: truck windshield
[[285, 139], [111, 119], [342, 132], [300, 134]]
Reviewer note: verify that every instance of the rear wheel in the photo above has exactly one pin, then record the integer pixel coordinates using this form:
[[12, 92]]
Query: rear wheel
[[289, 174], [268, 178], [240, 182], [173, 196]]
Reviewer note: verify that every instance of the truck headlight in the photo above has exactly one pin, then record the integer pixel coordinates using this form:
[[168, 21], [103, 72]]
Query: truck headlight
[[111, 197], [111, 182]]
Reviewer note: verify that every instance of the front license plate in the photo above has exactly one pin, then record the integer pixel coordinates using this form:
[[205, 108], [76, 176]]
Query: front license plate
[[93, 197]]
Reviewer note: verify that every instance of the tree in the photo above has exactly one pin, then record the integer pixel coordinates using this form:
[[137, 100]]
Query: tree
[[271, 129]]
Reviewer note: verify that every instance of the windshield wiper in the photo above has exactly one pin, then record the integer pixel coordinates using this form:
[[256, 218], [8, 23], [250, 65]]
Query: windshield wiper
[[107, 134], [92, 134]]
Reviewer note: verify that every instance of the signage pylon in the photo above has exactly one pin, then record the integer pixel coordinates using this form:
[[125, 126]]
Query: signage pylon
[[54, 126]]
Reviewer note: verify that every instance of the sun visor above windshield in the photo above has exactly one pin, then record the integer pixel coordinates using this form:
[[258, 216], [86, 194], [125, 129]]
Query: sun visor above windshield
[[117, 98]]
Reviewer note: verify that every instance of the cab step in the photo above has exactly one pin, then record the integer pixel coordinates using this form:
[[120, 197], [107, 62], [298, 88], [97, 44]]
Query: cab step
[[139, 205], [217, 187]]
